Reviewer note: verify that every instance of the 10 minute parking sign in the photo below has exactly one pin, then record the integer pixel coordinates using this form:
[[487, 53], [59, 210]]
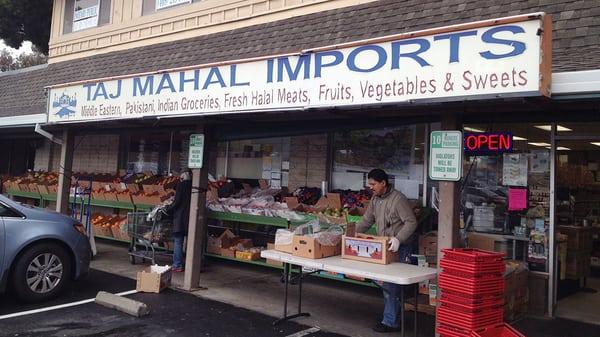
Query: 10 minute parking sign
[[445, 155]]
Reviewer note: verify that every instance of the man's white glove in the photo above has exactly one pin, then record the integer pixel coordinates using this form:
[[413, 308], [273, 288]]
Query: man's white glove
[[394, 245]]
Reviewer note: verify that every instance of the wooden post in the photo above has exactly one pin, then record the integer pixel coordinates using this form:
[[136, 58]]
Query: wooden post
[[65, 172], [448, 217], [198, 221]]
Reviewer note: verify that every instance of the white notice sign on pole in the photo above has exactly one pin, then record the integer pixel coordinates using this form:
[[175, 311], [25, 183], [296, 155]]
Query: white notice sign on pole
[[445, 159], [196, 153]]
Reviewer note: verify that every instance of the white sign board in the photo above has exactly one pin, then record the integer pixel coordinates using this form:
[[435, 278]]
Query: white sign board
[[196, 153], [160, 4], [85, 18], [445, 155], [492, 61]]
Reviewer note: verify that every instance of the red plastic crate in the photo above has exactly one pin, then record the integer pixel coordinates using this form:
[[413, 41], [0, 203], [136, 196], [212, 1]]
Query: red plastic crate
[[470, 280], [480, 296], [485, 301], [465, 285], [469, 321], [470, 308], [498, 330], [449, 331], [480, 293], [472, 269], [471, 255]]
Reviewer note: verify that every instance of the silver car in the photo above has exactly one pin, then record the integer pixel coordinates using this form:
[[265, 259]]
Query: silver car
[[41, 251]]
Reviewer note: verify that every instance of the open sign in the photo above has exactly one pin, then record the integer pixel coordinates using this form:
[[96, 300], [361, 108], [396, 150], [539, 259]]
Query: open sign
[[488, 143]]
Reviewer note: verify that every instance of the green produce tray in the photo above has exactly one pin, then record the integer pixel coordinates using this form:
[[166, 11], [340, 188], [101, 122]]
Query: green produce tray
[[248, 218]]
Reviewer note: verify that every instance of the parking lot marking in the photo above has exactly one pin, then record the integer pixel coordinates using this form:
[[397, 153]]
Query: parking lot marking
[[305, 332], [61, 306]]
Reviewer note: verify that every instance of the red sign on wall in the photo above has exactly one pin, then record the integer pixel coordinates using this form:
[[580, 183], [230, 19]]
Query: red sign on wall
[[488, 143]]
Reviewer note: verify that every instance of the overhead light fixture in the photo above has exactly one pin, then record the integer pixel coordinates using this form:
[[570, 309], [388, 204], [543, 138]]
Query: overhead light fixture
[[595, 143], [560, 148], [519, 138], [539, 144], [470, 129], [549, 128]]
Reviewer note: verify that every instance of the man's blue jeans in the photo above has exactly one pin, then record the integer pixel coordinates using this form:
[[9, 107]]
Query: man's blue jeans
[[391, 291], [178, 249]]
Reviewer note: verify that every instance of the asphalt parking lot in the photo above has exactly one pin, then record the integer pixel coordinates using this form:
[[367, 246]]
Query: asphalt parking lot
[[172, 313]]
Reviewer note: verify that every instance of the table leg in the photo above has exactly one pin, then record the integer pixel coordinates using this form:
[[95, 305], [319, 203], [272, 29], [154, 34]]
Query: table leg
[[402, 302], [286, 271], [416, 308]]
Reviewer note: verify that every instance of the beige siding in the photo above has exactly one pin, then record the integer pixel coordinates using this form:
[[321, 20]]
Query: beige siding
[[130, 29]]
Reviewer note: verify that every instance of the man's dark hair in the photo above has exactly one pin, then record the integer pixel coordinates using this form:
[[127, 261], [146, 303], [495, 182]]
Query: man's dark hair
[[378, 175]]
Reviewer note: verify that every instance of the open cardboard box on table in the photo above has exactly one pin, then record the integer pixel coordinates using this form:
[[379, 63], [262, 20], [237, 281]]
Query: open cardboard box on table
[[309, 247], [367, 248], [154, 279]]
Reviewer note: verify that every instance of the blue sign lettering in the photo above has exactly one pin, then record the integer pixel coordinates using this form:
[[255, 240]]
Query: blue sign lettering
[[518, 46]]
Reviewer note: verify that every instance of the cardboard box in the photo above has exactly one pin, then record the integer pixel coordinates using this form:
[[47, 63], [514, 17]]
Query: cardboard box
[[225, 240], [228, 252], [309, 247], [248, 256], [356, 278], [271, 246], [492, 243], [367, 248], [428, 246], [154, 279]]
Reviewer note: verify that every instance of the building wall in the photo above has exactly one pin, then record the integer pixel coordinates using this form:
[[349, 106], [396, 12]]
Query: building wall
[[308, 161], [128, 28], [93, 154]]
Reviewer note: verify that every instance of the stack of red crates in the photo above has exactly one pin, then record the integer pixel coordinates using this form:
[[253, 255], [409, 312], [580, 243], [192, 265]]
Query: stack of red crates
[[472, 287]]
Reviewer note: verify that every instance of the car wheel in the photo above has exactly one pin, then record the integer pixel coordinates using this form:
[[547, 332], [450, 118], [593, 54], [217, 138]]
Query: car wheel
[[41, 272]]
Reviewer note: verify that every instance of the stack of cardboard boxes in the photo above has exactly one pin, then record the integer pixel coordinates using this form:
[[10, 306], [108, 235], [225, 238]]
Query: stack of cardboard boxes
[[516, 291]]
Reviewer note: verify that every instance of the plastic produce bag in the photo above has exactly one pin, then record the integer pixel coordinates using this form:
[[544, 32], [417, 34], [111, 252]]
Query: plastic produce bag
[[313, 226], [331, 237], [284, 237]]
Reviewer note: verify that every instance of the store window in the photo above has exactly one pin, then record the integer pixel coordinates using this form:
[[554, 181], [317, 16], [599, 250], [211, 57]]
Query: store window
[[158, 153], [85, 14], [399, 151], [506, 192], [153, 6], [255, 159]]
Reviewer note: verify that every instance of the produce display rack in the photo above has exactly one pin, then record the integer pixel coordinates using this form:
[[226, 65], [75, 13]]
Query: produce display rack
[[240, 218], [44, 199]]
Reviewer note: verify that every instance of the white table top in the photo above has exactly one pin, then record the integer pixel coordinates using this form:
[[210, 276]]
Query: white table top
[[398, 273]]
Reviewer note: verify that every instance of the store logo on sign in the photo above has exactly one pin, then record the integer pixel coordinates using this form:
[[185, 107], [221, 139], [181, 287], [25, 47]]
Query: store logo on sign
[[66, 103], [488, 143]]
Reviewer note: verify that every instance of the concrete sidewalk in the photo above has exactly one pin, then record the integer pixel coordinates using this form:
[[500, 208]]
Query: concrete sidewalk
[[336, 307]]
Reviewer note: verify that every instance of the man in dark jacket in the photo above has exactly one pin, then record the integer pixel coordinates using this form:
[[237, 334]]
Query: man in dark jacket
[[180, 210]]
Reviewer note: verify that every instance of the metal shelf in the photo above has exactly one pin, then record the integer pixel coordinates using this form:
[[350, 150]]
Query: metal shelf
[[94, 202], [110, 238], [248, 218], [257, 262], [33, 195], [360, 283]]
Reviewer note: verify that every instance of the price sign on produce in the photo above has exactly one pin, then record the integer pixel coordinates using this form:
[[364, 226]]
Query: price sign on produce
[[445, 155], [196, 153]]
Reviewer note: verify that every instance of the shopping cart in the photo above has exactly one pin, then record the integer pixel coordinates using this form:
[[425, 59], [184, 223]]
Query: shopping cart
[[150, 234]]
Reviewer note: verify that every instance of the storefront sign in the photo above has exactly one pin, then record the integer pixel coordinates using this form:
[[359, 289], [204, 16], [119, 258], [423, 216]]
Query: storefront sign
[[488, 143], [196, 152], [491, 59], [445, 155]]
